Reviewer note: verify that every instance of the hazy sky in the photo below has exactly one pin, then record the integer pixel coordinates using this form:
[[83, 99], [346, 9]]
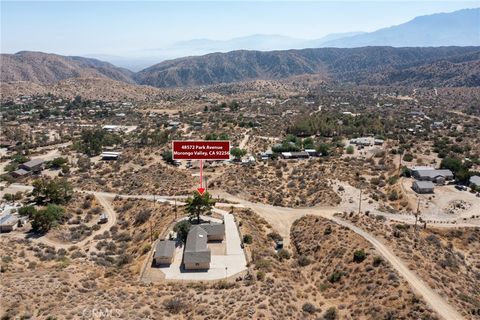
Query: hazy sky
[[127, 28]]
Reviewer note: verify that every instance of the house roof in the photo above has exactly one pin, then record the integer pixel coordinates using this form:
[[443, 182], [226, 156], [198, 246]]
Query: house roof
[[20, 172], [475, 180], [424, 184], [434, 173], [213, 228], [33, 163], [196, 240], [197, 257], [196, 250], [164, 248]]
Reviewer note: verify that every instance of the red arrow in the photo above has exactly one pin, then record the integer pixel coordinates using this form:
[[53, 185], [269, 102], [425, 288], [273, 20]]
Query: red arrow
[[201, 190]]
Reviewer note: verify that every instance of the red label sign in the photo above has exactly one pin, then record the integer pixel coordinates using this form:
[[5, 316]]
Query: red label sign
[[201, 150]]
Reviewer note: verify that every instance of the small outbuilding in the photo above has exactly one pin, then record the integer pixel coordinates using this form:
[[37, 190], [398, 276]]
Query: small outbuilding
[[474, 181], [35, 165], [423, 186], [164, 252], [110, 155], [19, 173]]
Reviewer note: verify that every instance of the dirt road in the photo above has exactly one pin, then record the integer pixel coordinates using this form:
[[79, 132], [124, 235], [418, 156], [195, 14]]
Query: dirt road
[[281, 219]]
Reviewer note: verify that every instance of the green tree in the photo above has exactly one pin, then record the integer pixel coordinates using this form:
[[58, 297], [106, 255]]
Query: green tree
[[198, 205], [238, 153], [350, 149], [58, 162], [43, 220], [56, 191], [323, 149], [27, 211], [167, 156], [182, 228], [359, 255]]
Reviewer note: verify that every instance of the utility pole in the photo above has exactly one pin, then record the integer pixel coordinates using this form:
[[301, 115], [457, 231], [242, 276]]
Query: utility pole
[[417, 213], [360, 202], [151, 232], [175, 208]]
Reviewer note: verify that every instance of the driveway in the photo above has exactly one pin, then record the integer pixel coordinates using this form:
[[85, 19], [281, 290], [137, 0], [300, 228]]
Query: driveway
[[224, 266]]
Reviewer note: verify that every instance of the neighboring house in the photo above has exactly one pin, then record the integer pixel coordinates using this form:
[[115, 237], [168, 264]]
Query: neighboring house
[[110, 155], [164, 252], [423, 186], [8, 222], [295, 155], [19, 173], [196, 255], [266, 155], [434, 175], [475, 180], [363, 141], [35, 165], [311, 152]]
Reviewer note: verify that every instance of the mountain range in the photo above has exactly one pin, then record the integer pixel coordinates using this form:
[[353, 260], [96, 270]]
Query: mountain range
[[459, 28], [370, 64]]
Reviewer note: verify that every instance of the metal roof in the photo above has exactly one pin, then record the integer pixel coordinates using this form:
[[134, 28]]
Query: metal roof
[[196, 240], [164, 248], [213, 228], [425, 184], [434, 173], [196, 250], [33, 163]]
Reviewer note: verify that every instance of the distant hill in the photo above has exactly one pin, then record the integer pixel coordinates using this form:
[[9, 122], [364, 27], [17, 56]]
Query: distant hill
[[443, 66], [369, 65], [459, 28], [44, 68]]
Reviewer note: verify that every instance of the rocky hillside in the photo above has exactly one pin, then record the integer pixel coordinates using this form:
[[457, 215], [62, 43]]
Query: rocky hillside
[[368, 65], [441, 66], [44, 68]]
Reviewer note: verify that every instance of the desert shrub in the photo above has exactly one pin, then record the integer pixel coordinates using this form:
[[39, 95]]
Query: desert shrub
[[123, 259], [247, 239], [309, 308], [260, 275], [330, 314], [359, 255], [303, 261], [275, 236], [262, 264], [283, 254], [408, 157], [174, 305], [377, 261], [335, 277], [433, 239], [146, 248], [142, 216], [393, 195], [328, 230], [392, 180]]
